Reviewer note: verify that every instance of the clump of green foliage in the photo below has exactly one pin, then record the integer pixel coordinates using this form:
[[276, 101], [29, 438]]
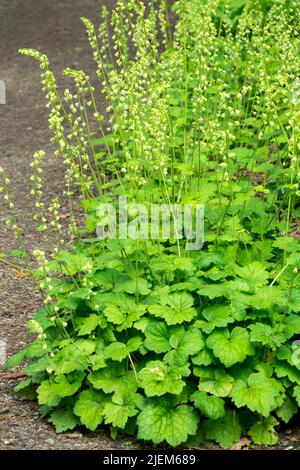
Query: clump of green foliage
[[152, 340]]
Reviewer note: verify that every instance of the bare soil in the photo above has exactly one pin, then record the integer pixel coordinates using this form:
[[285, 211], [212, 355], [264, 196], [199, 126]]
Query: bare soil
[[54, 27]]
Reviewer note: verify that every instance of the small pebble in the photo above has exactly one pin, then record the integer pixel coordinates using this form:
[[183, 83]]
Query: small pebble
[[74, 436], [8, 442], [6, 409], [289, 448], [50, 441]]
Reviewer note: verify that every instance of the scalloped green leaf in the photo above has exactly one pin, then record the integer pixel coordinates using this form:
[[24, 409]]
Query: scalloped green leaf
[[263, 432], [177, 309], [230, 348], [264, 334], [214, 381], [161, 421], [217, 316], [157, 379], [51, 391], [225, 431], [157, 337], [124, 316], [209, 405], [258, 393], [184, 344], [63, 419], [287, 409], [113, 379], [254, 273], [89, 408], [120, 408], [89, 324]]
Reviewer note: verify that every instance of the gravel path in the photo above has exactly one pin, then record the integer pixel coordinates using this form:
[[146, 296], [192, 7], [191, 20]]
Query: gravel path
[[54, 27]]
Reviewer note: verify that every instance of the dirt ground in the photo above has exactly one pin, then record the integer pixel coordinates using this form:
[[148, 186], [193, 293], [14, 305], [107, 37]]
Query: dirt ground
[[54, 27]]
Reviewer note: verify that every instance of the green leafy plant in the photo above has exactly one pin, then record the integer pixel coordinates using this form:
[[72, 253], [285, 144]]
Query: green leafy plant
[[145, 336]]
